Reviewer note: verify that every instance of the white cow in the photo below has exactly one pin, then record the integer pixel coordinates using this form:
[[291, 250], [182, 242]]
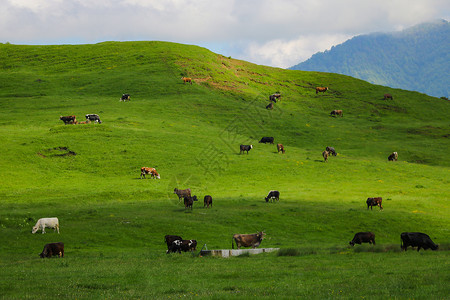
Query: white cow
[[46, 222]]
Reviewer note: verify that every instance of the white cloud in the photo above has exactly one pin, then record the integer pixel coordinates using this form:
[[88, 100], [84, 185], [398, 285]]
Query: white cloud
[[280, 33]]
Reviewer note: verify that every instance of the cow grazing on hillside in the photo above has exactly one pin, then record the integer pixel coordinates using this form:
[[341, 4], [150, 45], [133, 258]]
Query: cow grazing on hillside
[[321, 89], [186, 79], [331, 151], [125, 97], [151, 171], [182, 193], [207, 201], [325, 155], [273, 195], [46, 222], [376, 201], [363, 237], [336, 112], [247, 240], [388, 96], [266, 139], [280, 147], [245, 148], [169, 239], [393, 156], [53, 249], [274, 97], [417, 239], [68, 119], [269, 106], [93, 118], [182, 245]]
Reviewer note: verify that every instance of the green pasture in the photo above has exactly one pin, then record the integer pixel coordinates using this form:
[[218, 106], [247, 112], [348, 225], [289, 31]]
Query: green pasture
[[113, 223]]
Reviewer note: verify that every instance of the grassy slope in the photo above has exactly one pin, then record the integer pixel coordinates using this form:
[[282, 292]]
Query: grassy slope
[[191, 134]]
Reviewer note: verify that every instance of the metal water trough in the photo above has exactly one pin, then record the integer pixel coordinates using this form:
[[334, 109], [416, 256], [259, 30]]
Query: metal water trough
[[233, 252]]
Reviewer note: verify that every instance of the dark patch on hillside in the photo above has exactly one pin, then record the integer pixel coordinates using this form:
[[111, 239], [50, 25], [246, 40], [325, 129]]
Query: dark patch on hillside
[[56, 152]]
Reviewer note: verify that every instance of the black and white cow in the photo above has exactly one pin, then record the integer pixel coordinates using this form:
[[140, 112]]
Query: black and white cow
[[93, 118], [182, 245], [125, 97], [245, 148], [273, 195]]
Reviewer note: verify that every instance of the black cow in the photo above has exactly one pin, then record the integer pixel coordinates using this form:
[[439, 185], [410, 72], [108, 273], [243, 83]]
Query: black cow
[[125, 97], [331, 150], [169, 239], [207, 201], [266, 140], [273, 195], [363, 237], [269, 106], [53, 249], [245, 148], [274, 97], [93, 118], [68, 119], [417, 239], [182, 245], [375, 201], [188, 201]]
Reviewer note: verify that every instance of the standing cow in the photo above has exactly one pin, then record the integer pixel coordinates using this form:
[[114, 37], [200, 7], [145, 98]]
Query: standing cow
[[273, 195], [207, 201], [247, 240], [182, 245], [243, 148], [417, 239], [363, 237], [321, 89], [186, 79], [169, 239], [393, 156], [280, 147], [68, 119], [388, 96], [274, 97], [151, 171], [182, 193], [93, 118], [375, 201], [53, 249], [337, 112], [266, 139], [46, 222], [125, 97], [331, 150], [325, 155], [188, 201]]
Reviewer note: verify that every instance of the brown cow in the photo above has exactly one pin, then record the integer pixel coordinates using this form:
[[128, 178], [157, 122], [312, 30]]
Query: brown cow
[[207, 201], [325, 155], [186, 79], [247, 240], [388, 96], [182, 193], [280, 147], [336, 112], [269, 106], [188, 202], [68, 119], [376, 201], [53, 249], [321, 89], [363, 237], [151, 171]]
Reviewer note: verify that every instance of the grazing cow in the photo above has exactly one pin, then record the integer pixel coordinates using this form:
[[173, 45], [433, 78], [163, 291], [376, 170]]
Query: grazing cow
[[325, 155], [46, 222], [269, 106], [182, 245], [266, 140], [336, 112], [53, 249], [280, 147], [170, 238], [417, 239], [151, 171], [248, 240], [186, 79], [331, 150], [68, 119], [321, 89], [376, 201], [274, 97], [125, 97], [182, 193], [363, 237], [93, 118], [245, 148], [273, 195], [207, 201], [393, 156], [388, 96]]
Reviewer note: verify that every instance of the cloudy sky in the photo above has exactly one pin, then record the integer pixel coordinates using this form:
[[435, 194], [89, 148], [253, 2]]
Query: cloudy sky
[[277, 33]]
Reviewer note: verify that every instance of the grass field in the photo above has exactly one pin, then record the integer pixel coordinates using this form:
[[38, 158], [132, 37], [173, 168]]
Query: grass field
[[113, 224]]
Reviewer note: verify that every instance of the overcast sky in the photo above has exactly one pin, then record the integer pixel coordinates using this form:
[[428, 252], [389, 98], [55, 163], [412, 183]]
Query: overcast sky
[[278, 33]]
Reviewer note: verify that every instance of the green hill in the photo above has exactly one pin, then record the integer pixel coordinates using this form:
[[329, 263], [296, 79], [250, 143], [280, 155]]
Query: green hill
[[113, 224], [414, 59]]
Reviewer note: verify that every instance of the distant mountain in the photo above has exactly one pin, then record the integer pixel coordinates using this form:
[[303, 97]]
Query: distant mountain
[[416, 59]]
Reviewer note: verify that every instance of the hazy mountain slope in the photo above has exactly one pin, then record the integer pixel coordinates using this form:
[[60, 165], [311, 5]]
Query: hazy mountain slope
[[416, 59]]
